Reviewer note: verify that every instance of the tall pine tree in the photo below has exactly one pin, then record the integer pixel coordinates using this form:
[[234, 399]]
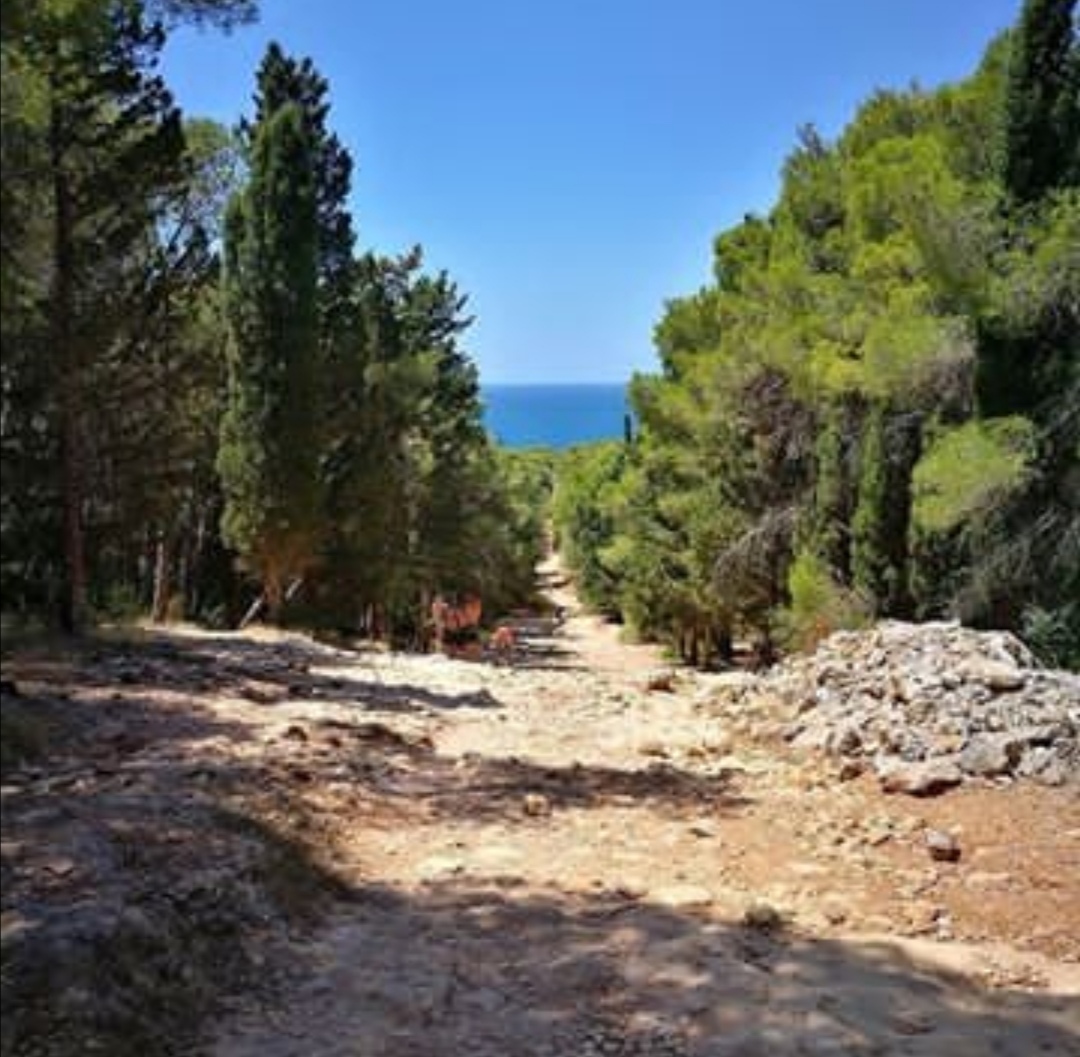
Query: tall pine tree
[[103, 150]]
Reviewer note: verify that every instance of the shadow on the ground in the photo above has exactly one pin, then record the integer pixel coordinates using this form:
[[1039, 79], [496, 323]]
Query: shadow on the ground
[[156, 858], [529, 657], [486, 788], [136, 874], [264, 672], [102, 728], [506, 970]]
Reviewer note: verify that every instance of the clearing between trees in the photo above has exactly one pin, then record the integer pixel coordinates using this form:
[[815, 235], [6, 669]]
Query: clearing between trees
[[241, 844]]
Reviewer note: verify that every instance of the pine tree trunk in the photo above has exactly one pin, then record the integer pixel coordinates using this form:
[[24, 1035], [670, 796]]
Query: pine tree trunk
[[274, 593], [725, 646], [160, 608], [73, 606]]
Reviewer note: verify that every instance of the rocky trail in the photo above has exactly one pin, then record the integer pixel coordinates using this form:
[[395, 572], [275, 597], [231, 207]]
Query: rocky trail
[[569, 849]]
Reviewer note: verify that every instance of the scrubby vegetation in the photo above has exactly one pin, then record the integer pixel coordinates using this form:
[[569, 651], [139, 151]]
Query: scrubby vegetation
[[874, 408]]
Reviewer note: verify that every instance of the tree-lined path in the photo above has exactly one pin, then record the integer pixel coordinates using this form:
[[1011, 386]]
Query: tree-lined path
[[567, 849], [573, 863], [235, 386]]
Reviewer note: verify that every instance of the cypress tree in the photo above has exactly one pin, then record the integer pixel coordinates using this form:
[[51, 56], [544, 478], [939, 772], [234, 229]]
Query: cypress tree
[[834, 490], [1042, 105], [343, 346], [268, 457], [881, 522], [280, 80], [870, 561], [1027, 351]]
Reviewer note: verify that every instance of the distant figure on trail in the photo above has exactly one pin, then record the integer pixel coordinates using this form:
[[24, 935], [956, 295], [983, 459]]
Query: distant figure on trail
[[451, 619], [503, 640]]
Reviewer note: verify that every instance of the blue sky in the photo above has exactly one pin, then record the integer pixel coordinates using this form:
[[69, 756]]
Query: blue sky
[[569, 161]]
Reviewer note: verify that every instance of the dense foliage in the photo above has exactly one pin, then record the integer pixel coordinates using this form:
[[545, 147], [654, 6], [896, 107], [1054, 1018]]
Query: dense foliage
[[203, 380], [268, 458], [874, 409]]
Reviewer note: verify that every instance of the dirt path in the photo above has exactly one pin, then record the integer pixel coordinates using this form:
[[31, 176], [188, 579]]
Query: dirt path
[[552, 859], [551, 854], [588, 641]]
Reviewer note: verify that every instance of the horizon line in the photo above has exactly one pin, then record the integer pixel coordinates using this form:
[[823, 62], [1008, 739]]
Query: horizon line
[[564, 382]]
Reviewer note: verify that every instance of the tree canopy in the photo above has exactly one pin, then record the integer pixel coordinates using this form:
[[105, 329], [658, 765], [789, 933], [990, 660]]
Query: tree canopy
[[208, 392], [873, 409]]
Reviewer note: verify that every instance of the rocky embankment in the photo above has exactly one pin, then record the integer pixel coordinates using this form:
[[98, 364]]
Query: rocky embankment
[[926, 706]]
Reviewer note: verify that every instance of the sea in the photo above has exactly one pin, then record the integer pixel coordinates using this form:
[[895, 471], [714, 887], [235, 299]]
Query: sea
[[553, 415]]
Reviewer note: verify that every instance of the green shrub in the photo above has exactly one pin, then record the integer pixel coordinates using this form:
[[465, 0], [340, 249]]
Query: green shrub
[[1054, 635], [819, 604]]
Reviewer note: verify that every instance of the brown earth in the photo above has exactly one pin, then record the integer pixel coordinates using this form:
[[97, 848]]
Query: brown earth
[[560, 851]]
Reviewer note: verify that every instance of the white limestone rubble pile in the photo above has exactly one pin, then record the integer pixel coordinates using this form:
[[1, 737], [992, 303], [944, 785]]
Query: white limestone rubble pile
[[927, 705]]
